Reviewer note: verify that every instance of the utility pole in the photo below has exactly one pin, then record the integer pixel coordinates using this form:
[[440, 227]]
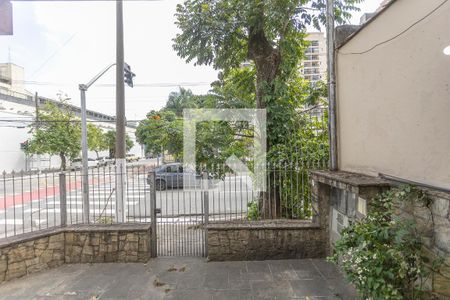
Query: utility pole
[[84, 155], [36, 107], [84, 144], [331, 86], [121, 167]]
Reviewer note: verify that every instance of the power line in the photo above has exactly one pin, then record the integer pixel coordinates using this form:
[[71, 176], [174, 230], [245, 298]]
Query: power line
[[63, 121], [87, 0], [53, 55], [156, 84], [399, 34]]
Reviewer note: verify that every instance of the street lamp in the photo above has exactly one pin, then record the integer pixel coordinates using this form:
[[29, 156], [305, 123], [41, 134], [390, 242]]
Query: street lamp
[[128, 75]]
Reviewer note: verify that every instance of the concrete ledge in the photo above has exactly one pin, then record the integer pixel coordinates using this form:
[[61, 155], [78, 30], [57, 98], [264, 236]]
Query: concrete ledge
[[354, 179], [126, 227], [30, 236], [261, 240], [95, 243], [266, 224]]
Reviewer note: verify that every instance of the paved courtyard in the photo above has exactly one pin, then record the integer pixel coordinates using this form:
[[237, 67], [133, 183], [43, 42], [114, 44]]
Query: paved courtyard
[[184, 278]]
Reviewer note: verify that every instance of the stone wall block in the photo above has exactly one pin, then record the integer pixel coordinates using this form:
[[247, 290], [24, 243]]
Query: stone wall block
[[53, 249], [442, 239], [265, 243], [441, 207], [15, 270]]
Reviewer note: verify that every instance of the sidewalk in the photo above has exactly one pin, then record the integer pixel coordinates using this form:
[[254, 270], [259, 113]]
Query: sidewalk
[[185, 278]]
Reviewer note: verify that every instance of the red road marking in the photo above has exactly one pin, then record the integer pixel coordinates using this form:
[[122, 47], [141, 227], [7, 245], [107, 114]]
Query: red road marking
[[50, 191]]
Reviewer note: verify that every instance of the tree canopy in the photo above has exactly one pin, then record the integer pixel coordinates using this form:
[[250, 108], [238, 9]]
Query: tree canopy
[[57, 132], [96, 139], [110, 140], [269, 33]]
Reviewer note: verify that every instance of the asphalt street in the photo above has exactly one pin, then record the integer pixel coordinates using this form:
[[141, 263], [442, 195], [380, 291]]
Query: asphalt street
[[32, 202]]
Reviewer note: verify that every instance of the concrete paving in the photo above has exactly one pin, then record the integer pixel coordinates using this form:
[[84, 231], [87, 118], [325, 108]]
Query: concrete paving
[[185, 278]]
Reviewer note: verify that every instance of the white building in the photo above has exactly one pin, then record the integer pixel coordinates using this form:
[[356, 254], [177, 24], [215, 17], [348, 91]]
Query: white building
[[17, 113]]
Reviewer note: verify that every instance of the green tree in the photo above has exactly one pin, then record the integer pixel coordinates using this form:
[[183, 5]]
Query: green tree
[[180, 100], [162, 130], [269, 33], [96, 139], [57, 132], [110, 139]]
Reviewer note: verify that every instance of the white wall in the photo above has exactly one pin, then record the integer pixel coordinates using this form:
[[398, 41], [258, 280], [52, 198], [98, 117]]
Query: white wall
[[394, 101], [14, 133], [11, 157]]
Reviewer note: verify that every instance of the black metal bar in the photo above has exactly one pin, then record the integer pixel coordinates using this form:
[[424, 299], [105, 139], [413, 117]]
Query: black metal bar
[[153, 238], [62, 199]]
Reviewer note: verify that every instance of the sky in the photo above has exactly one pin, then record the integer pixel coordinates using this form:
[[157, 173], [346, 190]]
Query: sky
[[63, 44]]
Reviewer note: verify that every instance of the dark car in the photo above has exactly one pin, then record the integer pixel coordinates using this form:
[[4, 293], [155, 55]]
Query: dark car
[[173, 176]]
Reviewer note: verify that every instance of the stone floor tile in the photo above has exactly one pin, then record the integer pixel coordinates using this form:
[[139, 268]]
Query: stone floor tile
[[259, 276], [231, 295], [309, 272], [191, 280], [327, 269], [311, 288], [242, 283], [183, 278], [257, 267], [216, 281], [282, 270], [272, 289], [198, 294], [342, 289]]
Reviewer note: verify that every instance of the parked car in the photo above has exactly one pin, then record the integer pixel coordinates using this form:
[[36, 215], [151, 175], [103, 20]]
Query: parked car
[[132, 158], [174, 176], [102, 161], [77, 163]]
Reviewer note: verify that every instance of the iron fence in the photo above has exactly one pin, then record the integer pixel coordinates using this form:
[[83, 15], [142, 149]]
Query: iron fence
[[34, 201], [31, 202]]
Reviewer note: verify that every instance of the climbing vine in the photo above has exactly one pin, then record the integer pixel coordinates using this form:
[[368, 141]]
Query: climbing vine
[[382, 253]]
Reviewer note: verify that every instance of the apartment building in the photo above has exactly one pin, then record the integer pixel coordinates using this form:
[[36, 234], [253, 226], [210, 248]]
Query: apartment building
[[314, 65]]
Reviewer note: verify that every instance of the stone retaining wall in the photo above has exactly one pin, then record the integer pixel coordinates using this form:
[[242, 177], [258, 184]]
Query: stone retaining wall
[[265, 240], [33, 252], [31, 255], [433, 224]]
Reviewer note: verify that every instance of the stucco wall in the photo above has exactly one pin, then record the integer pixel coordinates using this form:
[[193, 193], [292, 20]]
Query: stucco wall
[[394, 101]]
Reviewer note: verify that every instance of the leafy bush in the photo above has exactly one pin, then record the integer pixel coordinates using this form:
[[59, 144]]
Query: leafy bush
[[253, 211], [381, 254]]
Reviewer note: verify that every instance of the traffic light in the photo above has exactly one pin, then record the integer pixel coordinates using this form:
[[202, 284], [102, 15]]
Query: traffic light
[[6, 18], [24, 146], [128, 75]]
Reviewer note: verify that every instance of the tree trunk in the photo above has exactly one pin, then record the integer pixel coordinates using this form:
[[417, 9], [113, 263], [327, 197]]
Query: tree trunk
[[267, 61], [63, 161], [96, 152]]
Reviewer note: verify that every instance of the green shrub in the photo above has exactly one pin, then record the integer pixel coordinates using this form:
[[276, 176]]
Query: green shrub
[[381, 254], [253, 211]]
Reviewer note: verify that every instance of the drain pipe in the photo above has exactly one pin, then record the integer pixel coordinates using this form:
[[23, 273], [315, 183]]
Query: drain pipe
[[331, 86]]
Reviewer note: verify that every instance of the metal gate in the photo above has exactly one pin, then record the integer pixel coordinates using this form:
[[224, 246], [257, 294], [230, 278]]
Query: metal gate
[[181, 216]]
